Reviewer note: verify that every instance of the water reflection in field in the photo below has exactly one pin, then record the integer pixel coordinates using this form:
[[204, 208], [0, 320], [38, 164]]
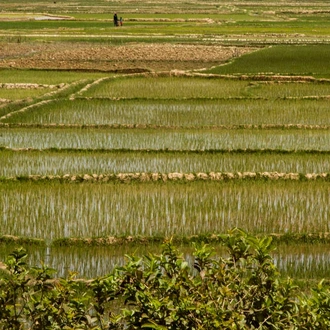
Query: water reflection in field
[[300, 261]]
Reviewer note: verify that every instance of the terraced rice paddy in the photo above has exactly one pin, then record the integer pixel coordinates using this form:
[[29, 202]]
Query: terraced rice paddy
[[171, 106], [56, 210], [160, 139], [297, 60], [57, 162], [178, 113], [166, 124], [18, 94], [202, 88]]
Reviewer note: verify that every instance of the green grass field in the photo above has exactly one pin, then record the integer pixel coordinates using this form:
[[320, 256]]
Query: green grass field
[[21, 94], [45, 77], [287, 60]]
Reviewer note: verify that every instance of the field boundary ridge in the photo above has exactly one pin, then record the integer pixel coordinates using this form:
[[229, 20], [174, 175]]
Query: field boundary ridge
[[278, 238], [173, 177]]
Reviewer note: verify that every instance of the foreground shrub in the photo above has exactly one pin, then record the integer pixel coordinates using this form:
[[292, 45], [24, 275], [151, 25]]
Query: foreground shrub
[[241, 291]]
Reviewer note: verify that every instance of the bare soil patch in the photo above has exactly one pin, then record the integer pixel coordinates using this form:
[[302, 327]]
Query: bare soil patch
[[130, 57]]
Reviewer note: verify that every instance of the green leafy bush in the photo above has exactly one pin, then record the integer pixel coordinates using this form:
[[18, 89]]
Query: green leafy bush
[[241, 291]]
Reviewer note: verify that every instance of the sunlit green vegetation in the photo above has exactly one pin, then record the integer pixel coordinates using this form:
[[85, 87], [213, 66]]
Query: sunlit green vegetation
[[292, 60], [167, 88], [46, 77], [300, 261], [186, 24], [181, 113], [179, 139], [48, 162], [168, 124], [203, 88], [282, 90], [144, 293], [56, 210], [190, 21], [18, 94]]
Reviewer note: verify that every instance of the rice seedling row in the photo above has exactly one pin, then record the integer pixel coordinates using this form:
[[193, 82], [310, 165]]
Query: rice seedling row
[[57, 210], [197, 87], [166, 88], [180, 113], [24, 163], [159, 139]]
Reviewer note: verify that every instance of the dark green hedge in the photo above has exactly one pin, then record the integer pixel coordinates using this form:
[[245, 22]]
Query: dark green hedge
[[242, 291]]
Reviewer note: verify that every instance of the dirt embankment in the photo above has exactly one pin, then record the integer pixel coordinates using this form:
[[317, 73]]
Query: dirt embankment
[[80, 56]]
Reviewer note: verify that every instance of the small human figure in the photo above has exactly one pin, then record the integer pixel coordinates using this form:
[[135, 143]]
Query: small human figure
[[121, 21], [115, 19]]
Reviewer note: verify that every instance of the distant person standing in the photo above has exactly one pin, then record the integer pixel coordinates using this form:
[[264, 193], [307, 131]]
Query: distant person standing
[[121, 21], [115, 19]]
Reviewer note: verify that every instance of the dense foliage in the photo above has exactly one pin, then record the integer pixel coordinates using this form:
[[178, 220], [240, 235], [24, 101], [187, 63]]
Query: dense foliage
[[243, 290]]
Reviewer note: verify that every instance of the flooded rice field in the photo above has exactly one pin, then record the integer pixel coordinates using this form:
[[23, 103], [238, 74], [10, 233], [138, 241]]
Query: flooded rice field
[[299, 261]]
